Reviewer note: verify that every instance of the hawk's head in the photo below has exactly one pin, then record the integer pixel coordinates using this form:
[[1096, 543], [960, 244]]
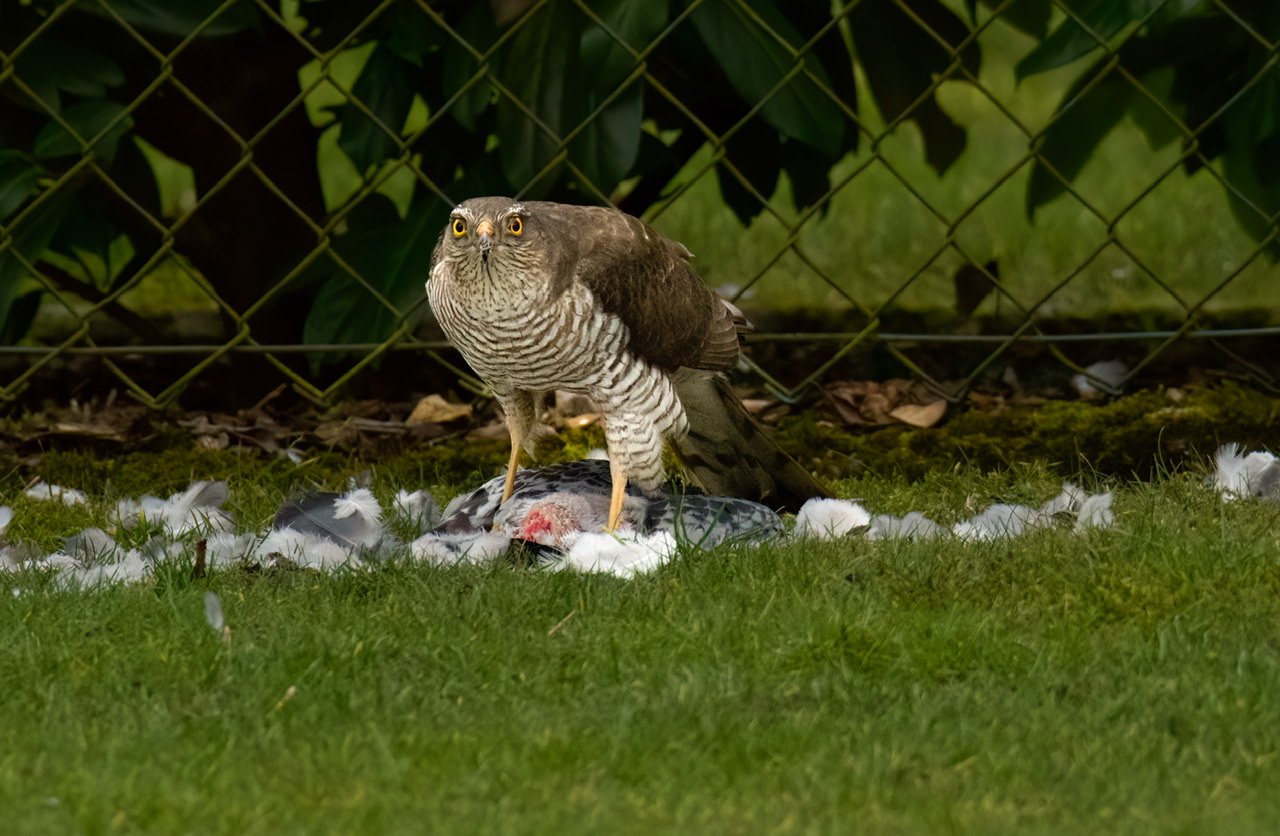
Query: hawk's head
[[485, 229]]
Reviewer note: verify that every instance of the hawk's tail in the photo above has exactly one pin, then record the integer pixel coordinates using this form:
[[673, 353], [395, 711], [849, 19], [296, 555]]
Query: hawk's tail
[[730, 453]]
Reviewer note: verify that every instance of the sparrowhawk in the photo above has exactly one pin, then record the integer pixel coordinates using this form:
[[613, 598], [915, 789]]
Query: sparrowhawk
[[541, 296]]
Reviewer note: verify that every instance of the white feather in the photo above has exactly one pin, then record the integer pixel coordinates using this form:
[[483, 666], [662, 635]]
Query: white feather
[[1104, 376], [213, 611], [6, 517], [827, 519], [912, 526], [998, 521], [418, 508], [1229, 474], [131, 566], [1068, 500], [224, 548], [197, 509], [93, 558], [1095, 512], [448, 549], [624, 557], [1237, 475], [302, 549], [359, 502], [56, 493]]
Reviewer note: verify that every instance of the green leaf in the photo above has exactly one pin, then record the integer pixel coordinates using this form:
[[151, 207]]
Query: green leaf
[[1070, 40], [900, 60], [607, 147], [1153, 120], [605, 61], [31, 239], [18, 181], [1071, 140], [55, 62], [411, 34], [537, 69], [460, 65], [88, 230], [755, 62], [87, 119], [1249, 163], [16, 317], [393, 256], [385, 89], [181, 19], [1029, 16], [756, 152]]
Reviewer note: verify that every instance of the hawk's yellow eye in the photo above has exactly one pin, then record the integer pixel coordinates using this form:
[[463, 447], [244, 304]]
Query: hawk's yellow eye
[[515, 225], [459, 227]]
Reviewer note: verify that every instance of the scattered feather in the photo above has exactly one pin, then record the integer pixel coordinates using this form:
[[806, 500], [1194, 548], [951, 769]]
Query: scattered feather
[[351, 520], [1095, 512], [448, 548], [93, 558], [56, 493], [1238, 475], [559, 509], [225, 548], [286, 546], [197, 509], [911, 526], [999, 521], [213, 611], [1105, 377], [622, 556], [132, 566], [1069, 500], [418, 508], [8, 557], [828, 519]]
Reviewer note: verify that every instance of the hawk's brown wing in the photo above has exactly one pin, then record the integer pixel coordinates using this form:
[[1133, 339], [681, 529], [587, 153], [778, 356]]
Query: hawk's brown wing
[[645, 280]]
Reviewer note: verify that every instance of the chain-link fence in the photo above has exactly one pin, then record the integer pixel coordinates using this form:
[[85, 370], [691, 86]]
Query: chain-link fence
[[238, 194]]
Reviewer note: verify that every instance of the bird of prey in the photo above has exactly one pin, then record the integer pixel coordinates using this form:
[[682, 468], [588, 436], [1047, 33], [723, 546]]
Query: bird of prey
[[539, 296]]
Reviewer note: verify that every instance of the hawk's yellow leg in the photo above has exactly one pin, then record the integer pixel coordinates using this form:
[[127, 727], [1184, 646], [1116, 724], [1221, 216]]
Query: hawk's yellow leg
[[619, 494], [509, 486]]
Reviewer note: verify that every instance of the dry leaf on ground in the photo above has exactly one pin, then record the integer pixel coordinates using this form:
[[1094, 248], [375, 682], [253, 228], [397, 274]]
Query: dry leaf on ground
[[869, 402]]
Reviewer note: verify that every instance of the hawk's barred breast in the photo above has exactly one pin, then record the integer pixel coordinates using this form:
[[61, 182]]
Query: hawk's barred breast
[[527, 342]]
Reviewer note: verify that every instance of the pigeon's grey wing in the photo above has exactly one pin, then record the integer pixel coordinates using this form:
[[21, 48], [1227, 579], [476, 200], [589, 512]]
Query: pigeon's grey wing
[[472, 512], [708, 521]]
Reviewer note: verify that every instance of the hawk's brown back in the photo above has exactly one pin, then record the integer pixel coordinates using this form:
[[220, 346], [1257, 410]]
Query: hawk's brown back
[[645, 279]]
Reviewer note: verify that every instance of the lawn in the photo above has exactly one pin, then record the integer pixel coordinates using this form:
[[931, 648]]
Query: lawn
[[1121, 680]]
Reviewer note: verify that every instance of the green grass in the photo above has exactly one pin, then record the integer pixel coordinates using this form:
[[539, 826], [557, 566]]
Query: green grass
[[1121, 681]]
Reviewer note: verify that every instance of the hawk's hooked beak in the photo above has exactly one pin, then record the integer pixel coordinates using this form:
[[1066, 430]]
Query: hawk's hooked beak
[[484, 231]]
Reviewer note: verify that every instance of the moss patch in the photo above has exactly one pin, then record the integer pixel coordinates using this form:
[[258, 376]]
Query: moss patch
[[1135, 436]]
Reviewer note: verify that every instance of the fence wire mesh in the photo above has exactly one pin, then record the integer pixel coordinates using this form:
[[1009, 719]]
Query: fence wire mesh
[[234, 194]]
